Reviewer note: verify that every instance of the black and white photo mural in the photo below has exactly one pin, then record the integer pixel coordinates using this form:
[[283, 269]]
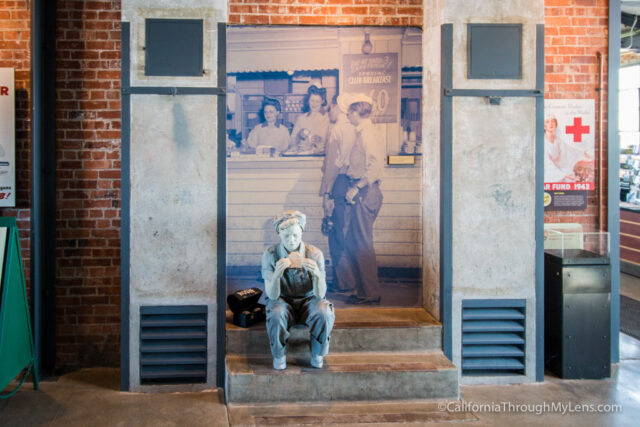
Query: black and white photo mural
[[328, 121]]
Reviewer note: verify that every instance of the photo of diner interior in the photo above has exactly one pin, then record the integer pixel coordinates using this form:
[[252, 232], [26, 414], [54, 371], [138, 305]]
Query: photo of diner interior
[[328, 121]]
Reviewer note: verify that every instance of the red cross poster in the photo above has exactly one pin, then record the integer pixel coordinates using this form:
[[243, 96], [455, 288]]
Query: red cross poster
[[569, 152], [7, 138]]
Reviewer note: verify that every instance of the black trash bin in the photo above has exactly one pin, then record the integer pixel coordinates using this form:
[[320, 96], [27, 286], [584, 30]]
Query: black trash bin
[[577, 297]]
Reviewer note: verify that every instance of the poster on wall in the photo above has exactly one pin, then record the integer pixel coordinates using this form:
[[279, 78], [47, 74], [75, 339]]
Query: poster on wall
[[291, 146], [569, 153], [7, 138], [376, 75]]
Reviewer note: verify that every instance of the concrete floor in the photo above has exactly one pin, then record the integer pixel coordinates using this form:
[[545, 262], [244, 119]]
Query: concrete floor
[[622, 389], [90, 398], [630, 286]]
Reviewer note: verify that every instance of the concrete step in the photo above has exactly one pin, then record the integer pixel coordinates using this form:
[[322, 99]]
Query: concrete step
[[345, 377], [369, 329], [405, 412]]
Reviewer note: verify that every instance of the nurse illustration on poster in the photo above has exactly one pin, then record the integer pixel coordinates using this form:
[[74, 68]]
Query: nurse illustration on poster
[[563, 162]]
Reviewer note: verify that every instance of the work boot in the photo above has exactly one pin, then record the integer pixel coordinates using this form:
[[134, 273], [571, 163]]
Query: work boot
[[316, 361], [280, 363]]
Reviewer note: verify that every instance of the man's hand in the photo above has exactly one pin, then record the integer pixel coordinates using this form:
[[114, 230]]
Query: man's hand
[[281, 265], [327, 205], [352, 192], [311, 266]]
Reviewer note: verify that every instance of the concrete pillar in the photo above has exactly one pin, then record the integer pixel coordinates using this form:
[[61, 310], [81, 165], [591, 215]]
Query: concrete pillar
[[433, 20], [493, 185], [173, 181]]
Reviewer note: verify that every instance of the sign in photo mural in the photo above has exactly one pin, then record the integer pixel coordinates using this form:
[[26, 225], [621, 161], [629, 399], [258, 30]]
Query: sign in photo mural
[[312, 117], [376, 75], [569, 153]]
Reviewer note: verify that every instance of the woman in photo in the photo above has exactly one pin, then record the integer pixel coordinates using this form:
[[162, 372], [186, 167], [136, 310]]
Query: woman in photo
[[310, 131], [269, 132]]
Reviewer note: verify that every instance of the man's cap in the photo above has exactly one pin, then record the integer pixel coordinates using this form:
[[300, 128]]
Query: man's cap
[[361, 97], [289, 216], [346, 99]]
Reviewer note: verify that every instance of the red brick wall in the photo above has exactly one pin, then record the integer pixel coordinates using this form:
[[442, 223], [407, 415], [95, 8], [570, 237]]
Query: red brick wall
[[88, 183], [326, 12], [15, 39], [575, 31], [88, 178]]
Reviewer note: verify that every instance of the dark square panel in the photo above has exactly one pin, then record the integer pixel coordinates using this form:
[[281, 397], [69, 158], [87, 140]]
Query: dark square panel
[[494, 51], [173, 47]]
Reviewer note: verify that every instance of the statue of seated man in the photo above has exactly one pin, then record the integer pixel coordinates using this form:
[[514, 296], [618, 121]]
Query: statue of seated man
[[294, 281]]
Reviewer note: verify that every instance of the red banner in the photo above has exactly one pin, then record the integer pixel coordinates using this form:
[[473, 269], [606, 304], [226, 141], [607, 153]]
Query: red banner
[[568, 186]]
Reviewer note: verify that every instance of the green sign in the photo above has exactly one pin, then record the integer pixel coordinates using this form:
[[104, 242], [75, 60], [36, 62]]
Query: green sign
[[16, 341]]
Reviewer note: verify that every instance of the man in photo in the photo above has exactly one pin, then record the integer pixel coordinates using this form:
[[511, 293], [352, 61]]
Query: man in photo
[[335, 183], [358, 269]]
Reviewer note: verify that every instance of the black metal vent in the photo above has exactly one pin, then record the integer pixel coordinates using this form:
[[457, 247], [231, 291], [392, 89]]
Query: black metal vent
[[493, 337], [173, 344]]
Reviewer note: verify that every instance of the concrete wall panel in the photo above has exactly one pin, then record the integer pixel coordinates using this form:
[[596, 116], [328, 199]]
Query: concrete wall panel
[[526, 12], [434, 15], [173, 211], [173, 196], [494, 210], [211, 11], [493, 197]]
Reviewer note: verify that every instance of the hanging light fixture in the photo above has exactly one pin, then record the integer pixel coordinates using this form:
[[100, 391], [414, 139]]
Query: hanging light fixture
[[367, 47]]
